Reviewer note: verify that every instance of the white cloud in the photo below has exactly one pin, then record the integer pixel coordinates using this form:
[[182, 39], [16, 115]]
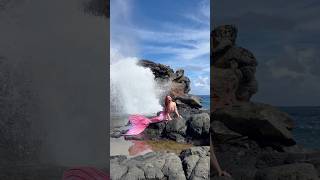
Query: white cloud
[[181, 44]]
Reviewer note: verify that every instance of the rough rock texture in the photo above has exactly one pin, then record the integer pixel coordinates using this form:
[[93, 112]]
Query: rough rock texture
[[195, 162], [149, 166], [193, 129], [252, 141], [192, 164], [232, 67], [258, 121], [180, 84]]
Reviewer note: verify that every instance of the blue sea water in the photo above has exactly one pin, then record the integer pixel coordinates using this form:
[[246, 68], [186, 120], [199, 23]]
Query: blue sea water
[[307, 125], [205, 99]]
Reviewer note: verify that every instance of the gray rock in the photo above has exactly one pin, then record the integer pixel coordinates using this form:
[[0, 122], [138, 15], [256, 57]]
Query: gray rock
[[153, 165], [258, 121], [221, 133], [190, 100], [301, 171], [199, 124], [223, 37], [195, 161], [177, 125]]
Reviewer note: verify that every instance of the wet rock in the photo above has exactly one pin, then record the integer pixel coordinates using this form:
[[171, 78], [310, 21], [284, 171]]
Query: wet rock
[[160, 71], [154, 130]]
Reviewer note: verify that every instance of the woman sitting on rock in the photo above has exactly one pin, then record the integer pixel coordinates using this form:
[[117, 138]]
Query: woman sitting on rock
[[139, 122]]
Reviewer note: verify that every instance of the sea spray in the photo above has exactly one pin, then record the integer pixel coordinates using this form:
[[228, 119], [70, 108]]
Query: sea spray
[[133, 89]]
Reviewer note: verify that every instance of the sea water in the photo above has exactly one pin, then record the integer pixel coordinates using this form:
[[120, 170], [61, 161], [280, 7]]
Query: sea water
[[307, 125]]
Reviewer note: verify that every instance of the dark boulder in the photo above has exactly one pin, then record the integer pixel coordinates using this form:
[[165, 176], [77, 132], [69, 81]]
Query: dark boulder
[[261, 122], [190, 100], [199, 125]]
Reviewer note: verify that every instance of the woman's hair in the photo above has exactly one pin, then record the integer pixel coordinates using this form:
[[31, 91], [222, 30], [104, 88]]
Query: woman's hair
[[167, 103]]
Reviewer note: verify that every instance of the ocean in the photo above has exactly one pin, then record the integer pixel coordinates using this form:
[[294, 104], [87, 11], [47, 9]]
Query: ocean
[[205, 100], [307, 125]]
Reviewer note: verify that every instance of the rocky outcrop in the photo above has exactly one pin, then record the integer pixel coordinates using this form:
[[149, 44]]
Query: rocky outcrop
[[194, 129], [179, 83], [195, 122], [252, 140], [195, 162], [233, 68], [260, 122], [192, 164]]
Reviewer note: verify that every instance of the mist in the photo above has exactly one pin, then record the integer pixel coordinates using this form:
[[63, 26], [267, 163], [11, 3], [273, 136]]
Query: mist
[[63, 52]]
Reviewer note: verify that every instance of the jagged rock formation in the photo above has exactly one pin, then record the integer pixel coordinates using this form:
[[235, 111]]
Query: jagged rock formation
[[252, 140], [180, 84], [191, 164], [233, 68]]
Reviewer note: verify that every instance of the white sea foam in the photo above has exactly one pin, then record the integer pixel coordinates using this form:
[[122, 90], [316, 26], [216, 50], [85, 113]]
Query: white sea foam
[[132, 87]]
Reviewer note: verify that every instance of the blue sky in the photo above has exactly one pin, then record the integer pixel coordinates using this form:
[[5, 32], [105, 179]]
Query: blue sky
[[284, 37], [175, 33]]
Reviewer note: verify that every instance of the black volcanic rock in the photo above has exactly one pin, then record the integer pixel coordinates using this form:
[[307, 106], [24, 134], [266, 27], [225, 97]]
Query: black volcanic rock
[[252, 140], [180, 84], [233, 68], [160, 71], [258, 121], [191, 164]]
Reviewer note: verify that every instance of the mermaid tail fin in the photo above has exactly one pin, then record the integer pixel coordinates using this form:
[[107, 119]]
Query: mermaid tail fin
[[139, 123]]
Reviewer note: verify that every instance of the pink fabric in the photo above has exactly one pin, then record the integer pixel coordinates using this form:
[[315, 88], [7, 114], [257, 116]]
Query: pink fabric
[[84, 173], [139, 123]]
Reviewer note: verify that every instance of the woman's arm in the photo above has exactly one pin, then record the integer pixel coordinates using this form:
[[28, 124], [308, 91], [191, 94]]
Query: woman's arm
[[215, 163], [176, 110]]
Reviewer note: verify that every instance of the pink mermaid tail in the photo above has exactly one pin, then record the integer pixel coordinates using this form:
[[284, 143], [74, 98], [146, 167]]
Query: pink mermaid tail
[[139, 123]]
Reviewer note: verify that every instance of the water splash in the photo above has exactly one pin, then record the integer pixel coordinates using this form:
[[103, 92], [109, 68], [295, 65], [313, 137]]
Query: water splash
[[133, 89]]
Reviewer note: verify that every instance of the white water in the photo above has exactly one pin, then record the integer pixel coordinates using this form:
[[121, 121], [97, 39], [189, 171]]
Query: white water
[[133, 89]]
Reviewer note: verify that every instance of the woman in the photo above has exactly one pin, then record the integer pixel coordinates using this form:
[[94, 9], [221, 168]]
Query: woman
[[139, 123]]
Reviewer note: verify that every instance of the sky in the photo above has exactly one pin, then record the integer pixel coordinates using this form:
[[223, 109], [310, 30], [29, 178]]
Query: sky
[[175, 33], [284, 37]]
